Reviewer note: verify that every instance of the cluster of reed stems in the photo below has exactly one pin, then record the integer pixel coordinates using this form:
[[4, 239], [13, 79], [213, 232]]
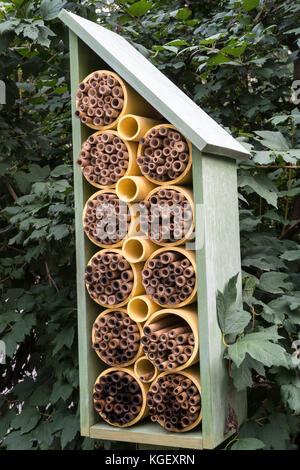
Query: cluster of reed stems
[[118, 397], [165, 154], [106, 219], [168, 343], [109, 278], [99, 100], [169, 278], [174, 402], [117, 338]]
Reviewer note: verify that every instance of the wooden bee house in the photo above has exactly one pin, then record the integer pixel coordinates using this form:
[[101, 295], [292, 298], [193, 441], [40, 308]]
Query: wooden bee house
[[217, 245]]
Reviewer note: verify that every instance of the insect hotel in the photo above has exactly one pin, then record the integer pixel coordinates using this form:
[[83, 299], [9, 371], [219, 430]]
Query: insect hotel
[[157, 234]]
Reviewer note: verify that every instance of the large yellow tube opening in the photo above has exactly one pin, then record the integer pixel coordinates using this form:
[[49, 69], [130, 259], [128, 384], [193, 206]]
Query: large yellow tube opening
[[128, 127], [145, 370], [133, 250], [127, 189], [138, 309]]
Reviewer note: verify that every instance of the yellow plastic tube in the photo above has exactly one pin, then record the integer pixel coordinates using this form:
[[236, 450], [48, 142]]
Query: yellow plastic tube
[[137, 249], [141, 307], [133, 102], [186, 177], [132, 169], [143, 368], [140, 350], [188, 193], [132, 127], [144, 390], [133, 188], [137, 288], [190, 255], [189, 315], [193, 374]]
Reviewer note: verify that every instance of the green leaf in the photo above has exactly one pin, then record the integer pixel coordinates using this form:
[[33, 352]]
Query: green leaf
[[274, 282], [262, 185], [15, 441], [61, 170], [291, 396], [59, 231], [139, 8], [272, 140], [183, 14], [49, 9], [26, 420], [63, 338], [70, 429], [249, 443], [242, 375], [291, 255], [259, 347]]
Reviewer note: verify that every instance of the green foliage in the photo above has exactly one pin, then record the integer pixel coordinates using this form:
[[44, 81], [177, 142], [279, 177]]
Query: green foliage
[[235, 58]]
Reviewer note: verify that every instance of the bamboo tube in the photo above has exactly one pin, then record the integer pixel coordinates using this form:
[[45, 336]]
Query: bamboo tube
[[190, 255], [141, 307], [144, 387], [133, 188], [133, 103], [186, 176], [137, 249], [191, 373], [98, 320], [145, 370], [189, 315], [188, 195], [132, 168], [137, 287], [131, 223], [132, 127]]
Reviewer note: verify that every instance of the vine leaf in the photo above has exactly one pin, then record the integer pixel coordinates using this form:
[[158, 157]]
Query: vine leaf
[[249, 443], [232, 320]]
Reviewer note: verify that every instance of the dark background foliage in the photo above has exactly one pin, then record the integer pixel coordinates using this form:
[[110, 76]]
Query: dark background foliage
[[237, 60]]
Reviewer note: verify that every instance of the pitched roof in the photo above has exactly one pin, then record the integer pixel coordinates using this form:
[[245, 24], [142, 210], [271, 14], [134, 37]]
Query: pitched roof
[[156, 88]]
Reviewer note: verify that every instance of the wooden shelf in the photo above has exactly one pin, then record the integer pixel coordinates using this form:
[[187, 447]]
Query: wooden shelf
[[148, 433]]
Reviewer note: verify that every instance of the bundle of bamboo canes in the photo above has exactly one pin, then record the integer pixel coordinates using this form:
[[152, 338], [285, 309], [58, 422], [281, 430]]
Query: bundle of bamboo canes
[[111, 280], [105, 158], [118, 398], [106, 219], [169, 277], [116, 338], [164, 155], [99, 99], [174, 401], [167, 215], [168, 342]]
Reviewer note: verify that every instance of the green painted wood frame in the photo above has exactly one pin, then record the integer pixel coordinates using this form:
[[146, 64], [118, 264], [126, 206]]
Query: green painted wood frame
[[218, 258]]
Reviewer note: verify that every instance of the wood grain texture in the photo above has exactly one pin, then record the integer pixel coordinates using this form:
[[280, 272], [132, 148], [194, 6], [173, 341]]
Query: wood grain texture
[[157, 89], [218, 259], [148, 433]]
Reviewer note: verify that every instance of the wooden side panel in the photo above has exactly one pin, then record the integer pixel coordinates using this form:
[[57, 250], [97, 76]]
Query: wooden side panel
[[82, 61], [218, 259]]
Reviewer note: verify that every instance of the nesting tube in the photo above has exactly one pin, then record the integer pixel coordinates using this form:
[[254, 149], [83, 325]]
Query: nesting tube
[[169, 211], [145, 370], [108, 269], [128, 405], [132, 127], [162, 271], [133, 188], [137, 249], [110, 333], [106, 219], [105, 158], [156, 338], [174, 400], [141, 307], [112, 96], [169, 151]]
